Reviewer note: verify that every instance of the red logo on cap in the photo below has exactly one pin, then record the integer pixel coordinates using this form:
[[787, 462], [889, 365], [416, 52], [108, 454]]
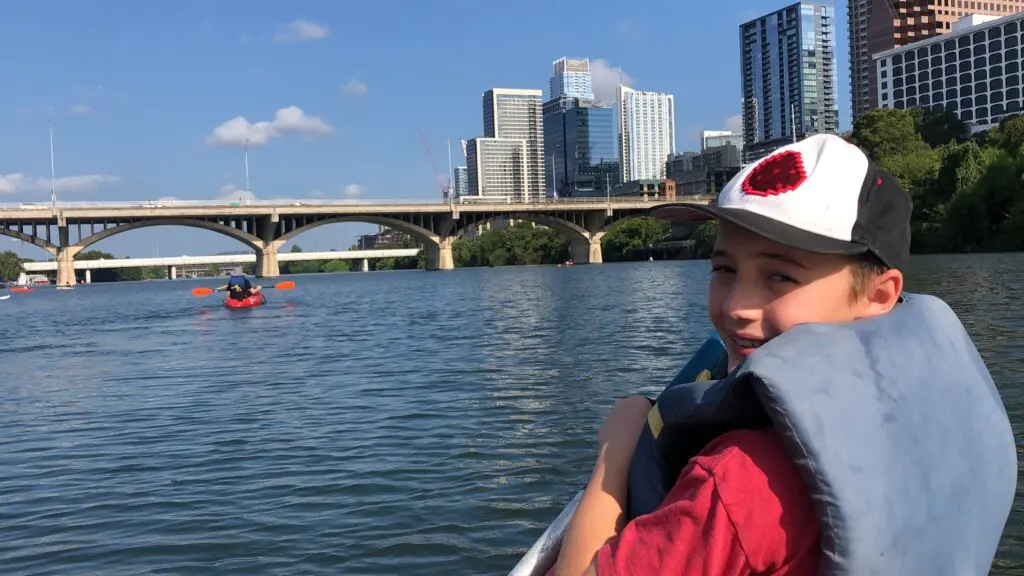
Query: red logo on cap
[[778, 174]]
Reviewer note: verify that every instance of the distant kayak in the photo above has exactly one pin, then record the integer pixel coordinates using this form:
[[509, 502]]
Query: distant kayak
[[21, 289], [257, 299], [5, 297]]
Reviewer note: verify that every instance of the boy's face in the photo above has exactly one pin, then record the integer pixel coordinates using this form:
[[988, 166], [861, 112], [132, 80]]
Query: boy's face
[[759, 289]]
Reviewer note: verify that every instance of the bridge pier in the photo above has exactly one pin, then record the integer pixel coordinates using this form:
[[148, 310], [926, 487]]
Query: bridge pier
[[364, 265], [266, 260], [172, 272], [88, 276], [587, 250], [439, 256], [66, 265]]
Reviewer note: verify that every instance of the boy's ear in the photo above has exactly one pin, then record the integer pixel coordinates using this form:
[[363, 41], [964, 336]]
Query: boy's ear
[[884, 293]]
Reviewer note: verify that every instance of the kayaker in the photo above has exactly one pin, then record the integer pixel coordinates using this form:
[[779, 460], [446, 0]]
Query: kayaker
[[239, 287], [812, 233]]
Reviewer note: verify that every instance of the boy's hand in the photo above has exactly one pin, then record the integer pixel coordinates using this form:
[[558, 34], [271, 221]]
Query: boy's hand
[[616, 441]]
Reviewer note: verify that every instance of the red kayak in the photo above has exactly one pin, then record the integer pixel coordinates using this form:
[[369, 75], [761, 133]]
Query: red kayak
[[257, 299], [21, 289]]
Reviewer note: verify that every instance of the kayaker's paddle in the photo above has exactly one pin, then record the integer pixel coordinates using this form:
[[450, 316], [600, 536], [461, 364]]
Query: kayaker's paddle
[[204, 291]]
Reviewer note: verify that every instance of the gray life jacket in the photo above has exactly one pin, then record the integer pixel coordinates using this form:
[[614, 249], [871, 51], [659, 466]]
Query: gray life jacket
[[894, 422]]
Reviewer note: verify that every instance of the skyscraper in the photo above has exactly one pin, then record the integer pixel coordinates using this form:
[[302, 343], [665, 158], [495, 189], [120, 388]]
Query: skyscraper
[[647, 133], [512, 114], [788, 68], [579, 146], [496, 167], [570, 78], [880, 25]]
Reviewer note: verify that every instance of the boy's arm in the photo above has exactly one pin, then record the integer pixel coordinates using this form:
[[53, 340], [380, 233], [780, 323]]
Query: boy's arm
[[600, 515]]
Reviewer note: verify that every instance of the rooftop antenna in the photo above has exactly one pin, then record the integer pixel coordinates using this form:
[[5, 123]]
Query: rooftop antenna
[[53, 170]]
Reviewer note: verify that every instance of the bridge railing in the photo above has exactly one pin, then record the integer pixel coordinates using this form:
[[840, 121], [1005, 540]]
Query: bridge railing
[[464, 200]]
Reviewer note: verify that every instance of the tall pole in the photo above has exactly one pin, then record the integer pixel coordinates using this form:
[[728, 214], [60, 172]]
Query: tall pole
[[53, 171], [247, 189], [451, 174]]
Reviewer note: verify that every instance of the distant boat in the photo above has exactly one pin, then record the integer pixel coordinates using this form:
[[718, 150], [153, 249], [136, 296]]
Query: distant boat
[[5, 297], [65, 287]]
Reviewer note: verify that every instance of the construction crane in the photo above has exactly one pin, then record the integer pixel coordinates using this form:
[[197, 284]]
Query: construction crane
[[444, 182]]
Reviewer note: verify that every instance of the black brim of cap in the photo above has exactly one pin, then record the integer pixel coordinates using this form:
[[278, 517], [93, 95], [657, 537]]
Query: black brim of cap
[[760, 225]]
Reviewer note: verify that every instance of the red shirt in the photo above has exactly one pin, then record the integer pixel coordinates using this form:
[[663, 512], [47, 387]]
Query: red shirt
[[739, 507]]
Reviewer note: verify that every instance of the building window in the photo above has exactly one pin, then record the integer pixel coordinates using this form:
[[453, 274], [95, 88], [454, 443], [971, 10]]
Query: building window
[[950, 94], [995, 32], [967, 115], [979, 50], [980, 75], [996, 58], [981, 100], [936, 84], [966, 103], [981, 112]]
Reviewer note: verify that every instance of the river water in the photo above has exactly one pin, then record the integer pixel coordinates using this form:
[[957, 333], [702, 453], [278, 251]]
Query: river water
[[363, 423]]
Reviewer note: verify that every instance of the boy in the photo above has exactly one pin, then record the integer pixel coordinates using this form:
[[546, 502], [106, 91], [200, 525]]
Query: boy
[[813, 233]]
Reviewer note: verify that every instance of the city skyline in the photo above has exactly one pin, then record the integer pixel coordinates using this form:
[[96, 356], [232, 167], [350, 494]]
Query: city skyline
[[322, 119]]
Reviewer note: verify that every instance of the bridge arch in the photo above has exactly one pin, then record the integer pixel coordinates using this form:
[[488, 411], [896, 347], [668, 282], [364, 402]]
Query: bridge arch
[[567, 229], [422, 234], [249, 240], [30, 239]]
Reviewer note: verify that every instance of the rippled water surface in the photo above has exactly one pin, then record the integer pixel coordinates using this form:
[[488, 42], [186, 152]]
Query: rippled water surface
[[380, 423]]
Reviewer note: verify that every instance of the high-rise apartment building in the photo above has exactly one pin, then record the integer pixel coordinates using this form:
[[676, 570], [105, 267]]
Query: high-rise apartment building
[[788, 68], [974, 71], [880, 25], [461, 184], [513, 114], [498, 168], [647, 133], [579, 147], [570, 78]]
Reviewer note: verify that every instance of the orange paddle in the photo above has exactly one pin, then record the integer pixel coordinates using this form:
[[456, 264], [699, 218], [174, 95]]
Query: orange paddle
[[204, 291]]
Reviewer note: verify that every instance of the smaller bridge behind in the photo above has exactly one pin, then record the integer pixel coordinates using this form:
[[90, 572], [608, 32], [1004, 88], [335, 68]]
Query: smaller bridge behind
[[172, 263]]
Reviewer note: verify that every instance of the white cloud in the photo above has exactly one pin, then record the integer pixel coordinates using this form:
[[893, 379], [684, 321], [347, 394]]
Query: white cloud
[[80, 110], [88, 92], [355, 87], [168, 199], [15, 183], [316, 194], [605, 79], [734, 123], [290, 120], [353, 190], [232, 192], [301, 31]]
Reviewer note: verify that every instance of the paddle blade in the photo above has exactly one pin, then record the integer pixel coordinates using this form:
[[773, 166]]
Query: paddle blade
[[286, 285], [202, 291]]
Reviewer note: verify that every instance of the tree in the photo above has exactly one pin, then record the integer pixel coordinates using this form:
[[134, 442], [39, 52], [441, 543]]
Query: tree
[[11, 265], [633, 235], [885, 133]]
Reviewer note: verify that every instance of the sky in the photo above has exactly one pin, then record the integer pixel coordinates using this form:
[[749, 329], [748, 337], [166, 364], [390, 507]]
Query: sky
[[153, 100]]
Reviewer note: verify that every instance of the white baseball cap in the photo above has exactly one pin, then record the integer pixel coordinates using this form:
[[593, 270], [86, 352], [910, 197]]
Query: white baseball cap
[[821, 194]]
